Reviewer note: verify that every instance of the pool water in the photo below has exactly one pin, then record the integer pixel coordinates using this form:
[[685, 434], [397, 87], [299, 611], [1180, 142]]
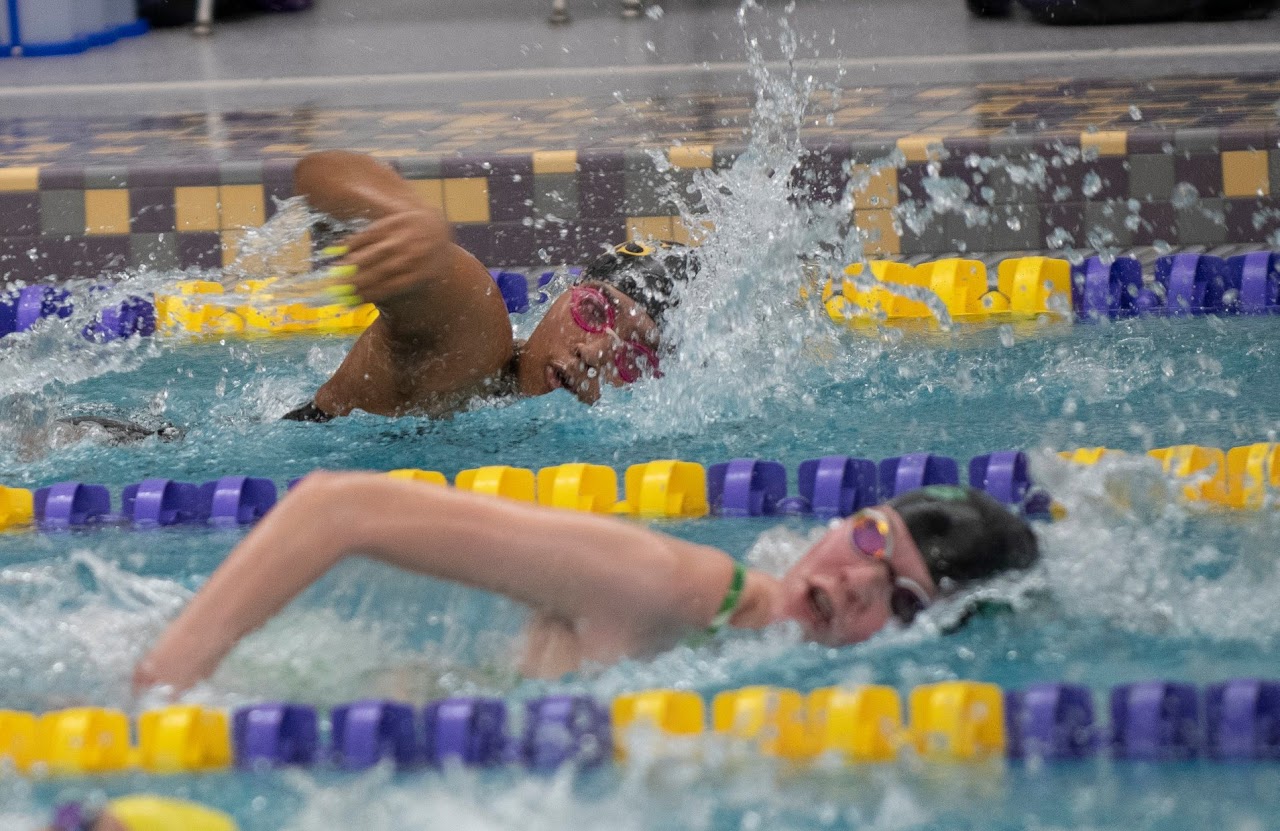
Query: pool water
[[1134, 585]]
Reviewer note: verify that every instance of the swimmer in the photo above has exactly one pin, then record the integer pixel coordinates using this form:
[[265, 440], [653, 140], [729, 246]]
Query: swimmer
[[600, 588], [140, 813], [443, 335]]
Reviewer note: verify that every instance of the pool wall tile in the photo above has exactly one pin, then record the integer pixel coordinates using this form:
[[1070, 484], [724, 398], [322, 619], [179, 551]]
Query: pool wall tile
[[1151, 176], [196, 208], [200, 249], [107, 177], [1104, 225], [19, 179], [1157, 222], [241, 206], [19, 213], [874, 188], [1196, 140], [419, 167], [601, 193], [1273, 166], [157, 252], [555, 194], [104, 254], [151, 209], [1203, 223], [1242, 138], [238, 173], [106, 211], [880, 236], [1203, 171], [1015, 227], [1245, 173], [1151, 141], [510, 189], [62, 178], [1063, 218], [1112, 178], [466, 200], [62, 213]]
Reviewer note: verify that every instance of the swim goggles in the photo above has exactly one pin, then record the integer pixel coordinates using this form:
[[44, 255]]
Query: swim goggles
[[593, 313], [872, 536]]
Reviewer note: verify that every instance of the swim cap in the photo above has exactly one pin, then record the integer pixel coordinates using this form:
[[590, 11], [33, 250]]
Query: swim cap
[[965, 534], [145, 813], [647, 273]]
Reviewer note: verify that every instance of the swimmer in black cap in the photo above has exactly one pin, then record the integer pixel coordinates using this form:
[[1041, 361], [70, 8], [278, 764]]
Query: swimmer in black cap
[[600, 589], [443, 336]]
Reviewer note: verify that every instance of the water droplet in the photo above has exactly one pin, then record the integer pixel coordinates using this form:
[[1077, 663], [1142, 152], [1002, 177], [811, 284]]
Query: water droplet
[[1092, 184], [648, 44], [1185, 196], [1135, 113], [654, 12], [1006, 335]]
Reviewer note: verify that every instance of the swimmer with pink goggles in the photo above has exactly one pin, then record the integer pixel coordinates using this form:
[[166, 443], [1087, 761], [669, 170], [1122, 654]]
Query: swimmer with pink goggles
[[594, 313], [872, 535]]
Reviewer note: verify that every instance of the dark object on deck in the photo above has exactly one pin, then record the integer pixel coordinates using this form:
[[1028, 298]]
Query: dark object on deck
[[1079, 12], [183, 12]]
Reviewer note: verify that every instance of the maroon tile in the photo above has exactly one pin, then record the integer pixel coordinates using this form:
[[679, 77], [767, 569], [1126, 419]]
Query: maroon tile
[[1251, 220], [1243, 138], [19, 213], [868, 152], [511, 188], [62, 178], [479, 240], [465, 167], [961, 147], [601, 161], [823, 175], [601, 194], [972, 177], [175, 175], [1202, 170], [151, 209], [1067, 216], [16, 262], [511, 244], [200, 249], [911, 178], [1149, 141], [84, 256], [1108, 175], [1156, 221]]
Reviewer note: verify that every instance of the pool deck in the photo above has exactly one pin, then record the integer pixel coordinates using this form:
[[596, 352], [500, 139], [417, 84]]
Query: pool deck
[[110, 156]]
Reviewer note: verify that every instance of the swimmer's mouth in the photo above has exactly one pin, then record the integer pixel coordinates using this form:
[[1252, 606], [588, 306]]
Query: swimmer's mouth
[[820, 605], [557, 378]]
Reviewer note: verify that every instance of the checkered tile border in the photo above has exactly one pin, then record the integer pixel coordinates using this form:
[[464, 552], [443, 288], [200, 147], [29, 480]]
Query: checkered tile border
[[1081, 190]]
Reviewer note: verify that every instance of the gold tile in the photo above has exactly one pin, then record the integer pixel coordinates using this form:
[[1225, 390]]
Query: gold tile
[[1245, 173], [879, 235], [430, 191], [920, 148], [231, 247], [19, 178], [106, 211], [555, 161], [466, 200], [685, 235], [648, 227], [1107, 142], [243, 206], [196, 208], [691, 155], [880, 189]]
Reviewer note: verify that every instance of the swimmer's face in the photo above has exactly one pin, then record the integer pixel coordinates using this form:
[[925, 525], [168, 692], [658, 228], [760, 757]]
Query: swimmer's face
[[561, 354], [839, 595]]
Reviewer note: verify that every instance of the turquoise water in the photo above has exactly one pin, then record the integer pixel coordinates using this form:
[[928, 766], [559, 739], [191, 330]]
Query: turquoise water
[[1134, 585]]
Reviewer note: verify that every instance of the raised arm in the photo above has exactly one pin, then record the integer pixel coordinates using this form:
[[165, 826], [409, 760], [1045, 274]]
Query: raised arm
[[430, 292], [609, 579]]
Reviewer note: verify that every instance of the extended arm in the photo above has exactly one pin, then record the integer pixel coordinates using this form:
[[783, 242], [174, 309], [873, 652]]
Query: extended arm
[[442, 327], [610, 579]]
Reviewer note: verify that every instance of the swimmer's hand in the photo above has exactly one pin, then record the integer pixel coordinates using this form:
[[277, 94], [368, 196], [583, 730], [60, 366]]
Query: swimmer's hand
[[397, 256]]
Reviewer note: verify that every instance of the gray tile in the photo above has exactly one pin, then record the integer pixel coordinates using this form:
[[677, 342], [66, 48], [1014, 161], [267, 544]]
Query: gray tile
[[419, 168], [1203, 223], [1104, 225], [1015, 228], [1151, 176], [240, 173], [1196, 139], [1274, 162], [115, 176], [156, 252], [62, 213], [555, 194]]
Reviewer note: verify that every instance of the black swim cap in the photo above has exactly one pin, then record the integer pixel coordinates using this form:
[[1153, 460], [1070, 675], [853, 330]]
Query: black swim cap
[[965, 534], [647, 273]]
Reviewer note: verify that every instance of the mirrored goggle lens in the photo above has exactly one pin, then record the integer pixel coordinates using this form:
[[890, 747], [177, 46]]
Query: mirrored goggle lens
[[871, 536], [591, 310], [635, 361]]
